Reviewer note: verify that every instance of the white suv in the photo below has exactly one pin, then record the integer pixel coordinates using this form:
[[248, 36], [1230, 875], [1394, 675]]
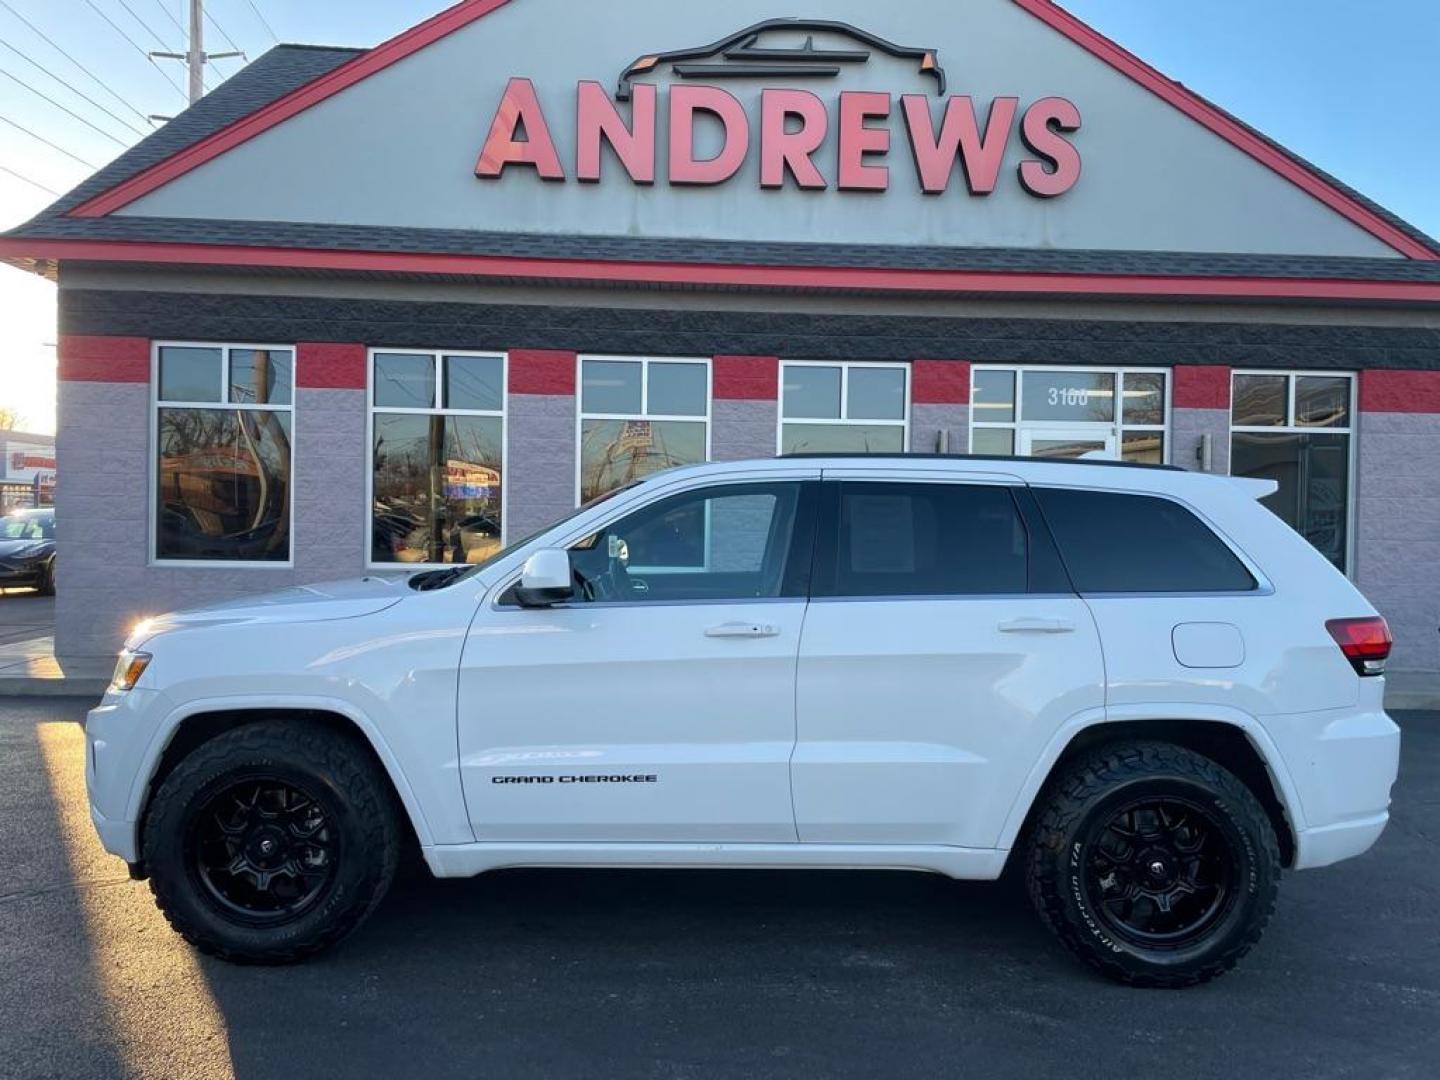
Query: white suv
[[1135, 681]]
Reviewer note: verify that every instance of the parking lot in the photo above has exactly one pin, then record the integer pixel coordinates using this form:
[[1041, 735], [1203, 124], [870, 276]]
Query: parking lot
[[685, 974], [25, 615]]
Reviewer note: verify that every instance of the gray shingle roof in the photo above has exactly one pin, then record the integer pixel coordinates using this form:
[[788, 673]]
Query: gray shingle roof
[[288, 67]]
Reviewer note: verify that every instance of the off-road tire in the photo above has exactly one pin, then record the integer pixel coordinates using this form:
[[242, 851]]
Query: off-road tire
[[1107, 778], [340, 774]]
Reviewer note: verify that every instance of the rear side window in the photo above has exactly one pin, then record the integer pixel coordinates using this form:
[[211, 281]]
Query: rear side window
[[1138, 544], [899, 539]]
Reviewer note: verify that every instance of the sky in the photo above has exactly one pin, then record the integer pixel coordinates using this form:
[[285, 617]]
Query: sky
[[1350, 86]]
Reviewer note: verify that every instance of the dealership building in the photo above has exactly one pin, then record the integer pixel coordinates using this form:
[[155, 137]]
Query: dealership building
[[367, 310]]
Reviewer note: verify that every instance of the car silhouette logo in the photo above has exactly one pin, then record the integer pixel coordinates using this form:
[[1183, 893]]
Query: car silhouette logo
[[743, 55]]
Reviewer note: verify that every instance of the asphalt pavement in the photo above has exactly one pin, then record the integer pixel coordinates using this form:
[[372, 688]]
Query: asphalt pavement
[[694, 974], [25, 615]]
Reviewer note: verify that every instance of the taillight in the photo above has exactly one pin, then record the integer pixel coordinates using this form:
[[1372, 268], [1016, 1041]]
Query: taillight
[[1365, 642]]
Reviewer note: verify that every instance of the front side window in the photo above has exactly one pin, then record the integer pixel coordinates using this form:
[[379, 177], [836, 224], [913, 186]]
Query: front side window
[[640, 415], [438, 457], [223, 438], [1296, 430], [924, 539], [736, 542], [843, 408], [1117, 543]]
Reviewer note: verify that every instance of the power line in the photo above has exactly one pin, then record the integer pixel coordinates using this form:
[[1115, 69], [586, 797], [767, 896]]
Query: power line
[[170, 15], [26, 179], [134, 44], [268, 29], [148, 28], [63, 108], [72, 88], [47, 142], [84, 70], [216, 24]]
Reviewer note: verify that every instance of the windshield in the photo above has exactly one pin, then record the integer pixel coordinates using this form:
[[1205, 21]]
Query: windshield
[[443, 578], [27, 528]]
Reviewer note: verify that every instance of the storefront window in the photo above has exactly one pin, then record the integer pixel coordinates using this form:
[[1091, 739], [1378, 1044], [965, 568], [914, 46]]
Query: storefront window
[[223, 428], [438, 440], [638, 416], [1048, 412], [844, 408], [1295, 430]]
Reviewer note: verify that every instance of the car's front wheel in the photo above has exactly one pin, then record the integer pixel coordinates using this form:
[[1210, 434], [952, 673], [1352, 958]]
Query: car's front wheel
[[1153, 864], [271, 842]]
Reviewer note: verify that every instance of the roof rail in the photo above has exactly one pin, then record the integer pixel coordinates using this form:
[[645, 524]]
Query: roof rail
[[1015, 458]]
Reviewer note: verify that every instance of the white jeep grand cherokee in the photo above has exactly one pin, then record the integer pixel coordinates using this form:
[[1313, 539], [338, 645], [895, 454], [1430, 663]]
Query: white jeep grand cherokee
[[1135, 681]]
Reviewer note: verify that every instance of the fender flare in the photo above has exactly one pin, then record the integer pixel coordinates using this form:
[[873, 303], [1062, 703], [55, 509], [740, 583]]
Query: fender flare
[[166, 729], [1251, 727]]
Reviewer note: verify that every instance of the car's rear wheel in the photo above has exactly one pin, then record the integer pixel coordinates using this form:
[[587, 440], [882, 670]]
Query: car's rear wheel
[[1154, 864], [271, 842]]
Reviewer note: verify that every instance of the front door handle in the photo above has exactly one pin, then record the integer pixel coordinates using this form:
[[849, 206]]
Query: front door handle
[[742, 630], [1037, 626]]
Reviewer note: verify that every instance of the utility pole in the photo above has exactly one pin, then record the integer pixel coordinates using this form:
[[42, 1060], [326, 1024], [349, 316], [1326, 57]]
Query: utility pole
[[196, 57]]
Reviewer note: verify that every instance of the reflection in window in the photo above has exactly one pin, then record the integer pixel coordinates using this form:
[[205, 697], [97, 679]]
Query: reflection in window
[[438, 474], [1305, 448], [223, 445], [639, 416], [1070, 413], [843, 408]]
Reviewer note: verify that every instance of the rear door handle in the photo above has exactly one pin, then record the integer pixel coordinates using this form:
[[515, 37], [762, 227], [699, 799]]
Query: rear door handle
[[1037, 626], [742, 630]]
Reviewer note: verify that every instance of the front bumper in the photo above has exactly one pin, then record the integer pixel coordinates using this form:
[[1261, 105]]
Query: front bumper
[[118, 734]]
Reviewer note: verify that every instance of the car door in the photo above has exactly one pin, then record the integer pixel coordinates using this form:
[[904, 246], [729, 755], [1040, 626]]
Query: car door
[[942, 650], [659, 704]]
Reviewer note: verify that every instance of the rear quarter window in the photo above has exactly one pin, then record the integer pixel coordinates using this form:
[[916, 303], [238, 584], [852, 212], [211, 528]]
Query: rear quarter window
[[1116, 543]]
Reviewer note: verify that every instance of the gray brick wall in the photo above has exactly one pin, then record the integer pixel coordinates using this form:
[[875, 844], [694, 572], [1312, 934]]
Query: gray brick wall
[[1397, 542], [105, 583], [927, 421], [743, 429], [1187, 426], [540, 461]]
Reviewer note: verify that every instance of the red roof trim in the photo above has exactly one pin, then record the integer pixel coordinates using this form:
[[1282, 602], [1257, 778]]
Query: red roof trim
[[293, 103], [807, 278], [1202, 112]]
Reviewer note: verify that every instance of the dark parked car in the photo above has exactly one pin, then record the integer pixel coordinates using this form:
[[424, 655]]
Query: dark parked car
[[27, 550]]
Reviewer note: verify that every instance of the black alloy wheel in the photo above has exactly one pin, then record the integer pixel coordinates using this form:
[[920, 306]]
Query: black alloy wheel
[[272, 841], [1160, 872], [263, 850], [1153, 864]]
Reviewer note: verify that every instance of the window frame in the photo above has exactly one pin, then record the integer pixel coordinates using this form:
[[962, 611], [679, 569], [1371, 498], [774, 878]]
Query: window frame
[[844, 420], [581, 416], [438, 355], [1118, 426], [1350, 431], [153, 557]]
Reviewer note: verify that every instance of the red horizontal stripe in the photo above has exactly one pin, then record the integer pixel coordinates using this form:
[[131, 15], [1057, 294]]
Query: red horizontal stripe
[[1201, 387], [88, 358], [746, 378], [940, 382], [786, 277], [325, 365], [1400, 391], [542, 371]]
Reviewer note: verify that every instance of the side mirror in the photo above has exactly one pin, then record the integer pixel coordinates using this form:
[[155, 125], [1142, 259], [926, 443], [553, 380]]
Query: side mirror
[[546, 579]]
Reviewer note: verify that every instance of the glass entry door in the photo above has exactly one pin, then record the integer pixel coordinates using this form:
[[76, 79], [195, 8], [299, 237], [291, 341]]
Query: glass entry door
[[1068, 443]]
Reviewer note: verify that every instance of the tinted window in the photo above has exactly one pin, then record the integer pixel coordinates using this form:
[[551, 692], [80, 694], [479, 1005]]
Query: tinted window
[[927, 540], [1137, 544], [736, 542], [1313, 472]]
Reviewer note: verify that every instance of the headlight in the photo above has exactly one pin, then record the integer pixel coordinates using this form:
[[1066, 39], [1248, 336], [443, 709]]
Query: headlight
[[128, 670], [30, 552]]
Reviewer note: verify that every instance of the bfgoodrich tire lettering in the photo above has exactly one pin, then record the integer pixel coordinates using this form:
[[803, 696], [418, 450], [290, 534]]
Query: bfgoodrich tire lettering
[[1154, 865], [351, 798]]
